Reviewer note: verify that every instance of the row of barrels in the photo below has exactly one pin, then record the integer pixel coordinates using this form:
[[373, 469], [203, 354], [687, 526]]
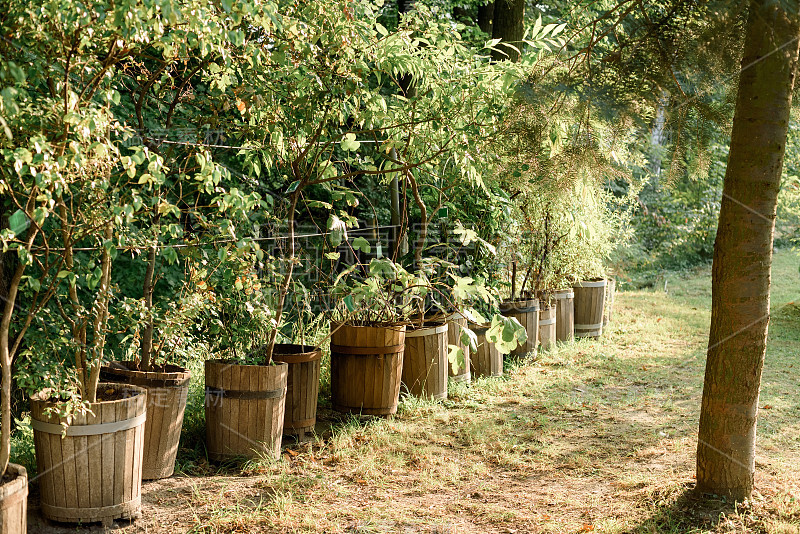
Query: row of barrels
[[93, 470], [580, 311]]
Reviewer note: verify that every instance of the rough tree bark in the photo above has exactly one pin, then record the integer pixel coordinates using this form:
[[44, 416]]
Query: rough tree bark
[[743, 253], [485, 16], [507, 24]]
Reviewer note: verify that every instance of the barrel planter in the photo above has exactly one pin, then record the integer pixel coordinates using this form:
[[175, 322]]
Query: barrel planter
[[565, 314], [590, 297], [527, 313], [94, 472], [611, 289], [366, 368], [454, 325], [167, 391], [302, 386], [245, 406], [14, 501], [547, 327], [487, 361], [425, 362]]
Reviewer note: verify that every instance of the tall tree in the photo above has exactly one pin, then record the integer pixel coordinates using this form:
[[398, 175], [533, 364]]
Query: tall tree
[[507, 24], [743, 251], [485, 15]]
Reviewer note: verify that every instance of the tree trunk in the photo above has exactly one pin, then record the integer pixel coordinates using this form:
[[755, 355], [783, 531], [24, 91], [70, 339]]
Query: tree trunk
[[287, 277], [743, 253], [507, 24], [485, 15], [6, 358], [404, 6], [147, 290]]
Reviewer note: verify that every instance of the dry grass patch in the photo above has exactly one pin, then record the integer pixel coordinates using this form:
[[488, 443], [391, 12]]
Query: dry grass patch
[[597, 436]]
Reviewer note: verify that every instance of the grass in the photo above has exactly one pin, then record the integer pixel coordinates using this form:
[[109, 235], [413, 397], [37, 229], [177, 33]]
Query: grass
[[596, 436]]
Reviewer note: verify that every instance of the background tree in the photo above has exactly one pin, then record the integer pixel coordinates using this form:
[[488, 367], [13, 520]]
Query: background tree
[[508, 25], [743, 252]]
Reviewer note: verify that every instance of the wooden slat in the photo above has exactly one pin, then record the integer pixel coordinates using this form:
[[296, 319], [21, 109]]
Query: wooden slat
[[213, 412], [95, 450], [262, 414], [109, 412], [80, 446], [247, 408], [156, 405], [138, 447], [119, 455], [70, 473]]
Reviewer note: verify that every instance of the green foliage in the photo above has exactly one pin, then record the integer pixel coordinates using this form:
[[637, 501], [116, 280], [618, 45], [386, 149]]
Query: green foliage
[[380, 293], [240, 309]]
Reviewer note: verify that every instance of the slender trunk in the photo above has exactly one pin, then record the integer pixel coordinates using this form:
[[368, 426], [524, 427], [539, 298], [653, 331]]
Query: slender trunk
[[394, 187], [485, 15], [287, 277], [399, 237], [545, 253], [5, 401], [743, 253], [149, 286], [507, 24], [99, 323], [422, 238], [6, 357], [78, 323], [514, 280]]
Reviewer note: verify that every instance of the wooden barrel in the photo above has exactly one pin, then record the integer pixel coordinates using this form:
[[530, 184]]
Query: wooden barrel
[[302, 386], [527, 313], [611, 289], [14, 501], [366, 368], [425, 362], [454, 325], [245, 406], [167, 392], [547, 327], [94, 472], [565, 314], [590, 297], [487, 361]]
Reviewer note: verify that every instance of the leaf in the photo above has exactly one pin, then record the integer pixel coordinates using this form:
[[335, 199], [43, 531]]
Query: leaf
[[332, 255], [349, 143], [18, 222], [506, 333], [348, 302], [456, 357], [469, 338], [293, 186], [361, 244], [536, 27], [337, 230]]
